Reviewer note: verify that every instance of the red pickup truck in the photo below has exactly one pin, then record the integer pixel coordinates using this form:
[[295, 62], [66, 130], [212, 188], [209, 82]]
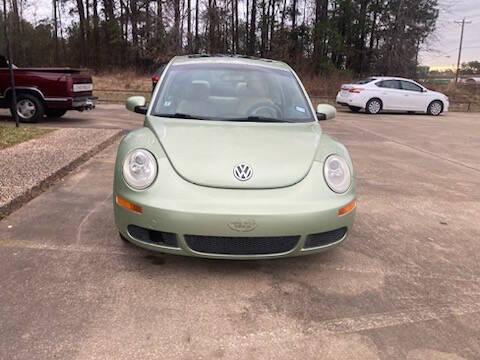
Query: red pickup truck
[[47, 92]]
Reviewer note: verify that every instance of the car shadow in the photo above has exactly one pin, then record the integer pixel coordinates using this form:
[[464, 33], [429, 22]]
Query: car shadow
[[149, 263]]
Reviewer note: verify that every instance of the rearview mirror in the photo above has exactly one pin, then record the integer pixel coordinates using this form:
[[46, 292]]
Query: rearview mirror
[[137, 104], [326, 112]]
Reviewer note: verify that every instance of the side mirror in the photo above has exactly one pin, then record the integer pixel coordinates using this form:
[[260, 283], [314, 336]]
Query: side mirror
[[137, 104], [326, 112]]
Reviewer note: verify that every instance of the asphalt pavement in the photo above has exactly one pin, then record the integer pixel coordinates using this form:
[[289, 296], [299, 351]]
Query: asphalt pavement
[[405, 285]]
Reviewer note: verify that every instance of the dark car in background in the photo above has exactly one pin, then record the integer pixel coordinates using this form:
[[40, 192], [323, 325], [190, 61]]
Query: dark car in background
[[156, 75], [47, 92]]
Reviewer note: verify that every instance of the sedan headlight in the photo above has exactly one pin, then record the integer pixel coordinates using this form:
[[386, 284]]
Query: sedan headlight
[[337, 174], [139, 169]]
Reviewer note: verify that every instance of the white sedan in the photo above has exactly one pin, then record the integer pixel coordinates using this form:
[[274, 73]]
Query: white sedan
[[375, 94]]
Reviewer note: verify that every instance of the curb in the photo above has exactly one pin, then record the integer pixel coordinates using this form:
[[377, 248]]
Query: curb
[[46, 183]]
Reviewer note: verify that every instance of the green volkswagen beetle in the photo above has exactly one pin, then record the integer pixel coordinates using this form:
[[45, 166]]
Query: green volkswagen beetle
[[232, 163]]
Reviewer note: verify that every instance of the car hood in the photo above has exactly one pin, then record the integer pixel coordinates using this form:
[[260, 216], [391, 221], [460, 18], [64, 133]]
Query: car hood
[[206, 152]]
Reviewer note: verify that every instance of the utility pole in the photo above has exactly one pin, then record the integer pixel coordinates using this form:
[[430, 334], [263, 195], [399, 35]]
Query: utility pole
[[10, 68], [55, 27], [463, 22]]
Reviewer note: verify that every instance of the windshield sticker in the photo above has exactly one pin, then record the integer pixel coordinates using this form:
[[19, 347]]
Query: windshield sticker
[[300, 109]]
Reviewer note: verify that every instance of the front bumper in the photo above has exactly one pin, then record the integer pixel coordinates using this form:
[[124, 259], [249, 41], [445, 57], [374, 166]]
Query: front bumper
[[184, 210]]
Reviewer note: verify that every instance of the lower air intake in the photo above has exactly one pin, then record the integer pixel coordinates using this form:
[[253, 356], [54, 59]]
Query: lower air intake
[[241, 245], [152, 236], [325, 238]]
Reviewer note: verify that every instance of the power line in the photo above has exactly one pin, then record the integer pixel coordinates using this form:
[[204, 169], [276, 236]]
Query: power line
[[463, 22]]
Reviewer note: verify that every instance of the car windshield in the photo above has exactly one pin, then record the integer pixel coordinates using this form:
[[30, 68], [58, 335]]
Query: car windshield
[[231, 92]]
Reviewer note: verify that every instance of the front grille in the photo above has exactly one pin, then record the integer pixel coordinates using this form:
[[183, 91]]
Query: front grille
[[152, 236], [241, 245], [325, 238]]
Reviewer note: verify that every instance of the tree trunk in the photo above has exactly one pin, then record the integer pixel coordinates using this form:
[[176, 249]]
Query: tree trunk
[[253, 23], [233, 26], [236, 25], [189, 26], [272, 24], [321, 17], [96, 56], [134, 25], [247, 28], [55, 29], [81, 15], [264, 29], [197, 39]]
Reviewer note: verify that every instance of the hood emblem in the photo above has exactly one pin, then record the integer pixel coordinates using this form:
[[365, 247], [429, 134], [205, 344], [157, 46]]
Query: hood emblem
[[243, 225], [242, 172]]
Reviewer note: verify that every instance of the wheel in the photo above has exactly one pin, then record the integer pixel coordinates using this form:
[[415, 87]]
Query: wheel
[[30, 108], [55, 113], [435, 108], [373, 106], [354, 109]]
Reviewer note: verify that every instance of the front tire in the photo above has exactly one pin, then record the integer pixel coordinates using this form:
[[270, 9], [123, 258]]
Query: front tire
[[55, 113], [374, 106], [30, 108], [435, 108], [354, 109]]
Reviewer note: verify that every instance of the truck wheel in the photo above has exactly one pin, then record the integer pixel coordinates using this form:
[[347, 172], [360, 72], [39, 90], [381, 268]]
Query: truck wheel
[[55, 113], [29, 108]]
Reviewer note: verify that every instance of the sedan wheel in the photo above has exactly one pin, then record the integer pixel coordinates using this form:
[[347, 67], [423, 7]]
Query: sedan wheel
[[435, 108], [373, 106]]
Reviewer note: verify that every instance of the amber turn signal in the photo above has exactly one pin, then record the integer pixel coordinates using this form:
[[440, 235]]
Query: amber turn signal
[[124, 203], [347, 208]]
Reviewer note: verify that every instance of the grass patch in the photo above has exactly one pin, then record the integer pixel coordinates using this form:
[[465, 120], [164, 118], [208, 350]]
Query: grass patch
[[10, 136]]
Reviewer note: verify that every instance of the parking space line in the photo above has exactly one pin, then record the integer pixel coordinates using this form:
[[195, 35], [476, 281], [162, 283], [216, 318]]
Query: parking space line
[[389, 319], [413, 147]]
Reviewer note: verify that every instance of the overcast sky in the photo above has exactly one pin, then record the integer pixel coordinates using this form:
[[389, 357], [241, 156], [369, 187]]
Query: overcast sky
[[440, 51], [442, 47]]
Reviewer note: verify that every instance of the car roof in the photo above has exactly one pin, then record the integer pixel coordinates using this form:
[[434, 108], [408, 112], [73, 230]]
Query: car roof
[[229, 59], [389, 78]]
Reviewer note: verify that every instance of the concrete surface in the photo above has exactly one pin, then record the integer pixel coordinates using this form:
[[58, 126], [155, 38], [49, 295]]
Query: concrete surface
[[406, 285], [104, 116], [26, 167]]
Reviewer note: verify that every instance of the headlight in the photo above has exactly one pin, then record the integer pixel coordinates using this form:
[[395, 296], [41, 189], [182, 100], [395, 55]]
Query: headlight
[[139, 169], [337, 174]]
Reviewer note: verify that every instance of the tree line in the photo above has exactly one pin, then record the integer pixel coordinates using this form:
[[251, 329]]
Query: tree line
[[361, 36]]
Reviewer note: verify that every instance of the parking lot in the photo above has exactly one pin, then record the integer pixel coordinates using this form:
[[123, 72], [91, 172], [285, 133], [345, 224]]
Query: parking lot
[[405, 285]]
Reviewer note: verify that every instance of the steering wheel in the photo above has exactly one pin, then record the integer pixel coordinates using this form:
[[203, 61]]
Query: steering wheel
[[265, 109]]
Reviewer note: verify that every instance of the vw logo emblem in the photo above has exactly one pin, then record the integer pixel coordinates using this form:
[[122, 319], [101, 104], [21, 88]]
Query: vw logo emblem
[[242, 172]]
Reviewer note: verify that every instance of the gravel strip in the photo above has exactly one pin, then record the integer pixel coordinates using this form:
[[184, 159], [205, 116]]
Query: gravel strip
[[28, 168]]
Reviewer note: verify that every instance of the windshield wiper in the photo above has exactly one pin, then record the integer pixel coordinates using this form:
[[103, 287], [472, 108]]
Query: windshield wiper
[[259, 119], [181, 116]]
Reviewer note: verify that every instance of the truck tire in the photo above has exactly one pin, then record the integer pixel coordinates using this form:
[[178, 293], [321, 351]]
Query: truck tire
[[30, 108], [55, 113]]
